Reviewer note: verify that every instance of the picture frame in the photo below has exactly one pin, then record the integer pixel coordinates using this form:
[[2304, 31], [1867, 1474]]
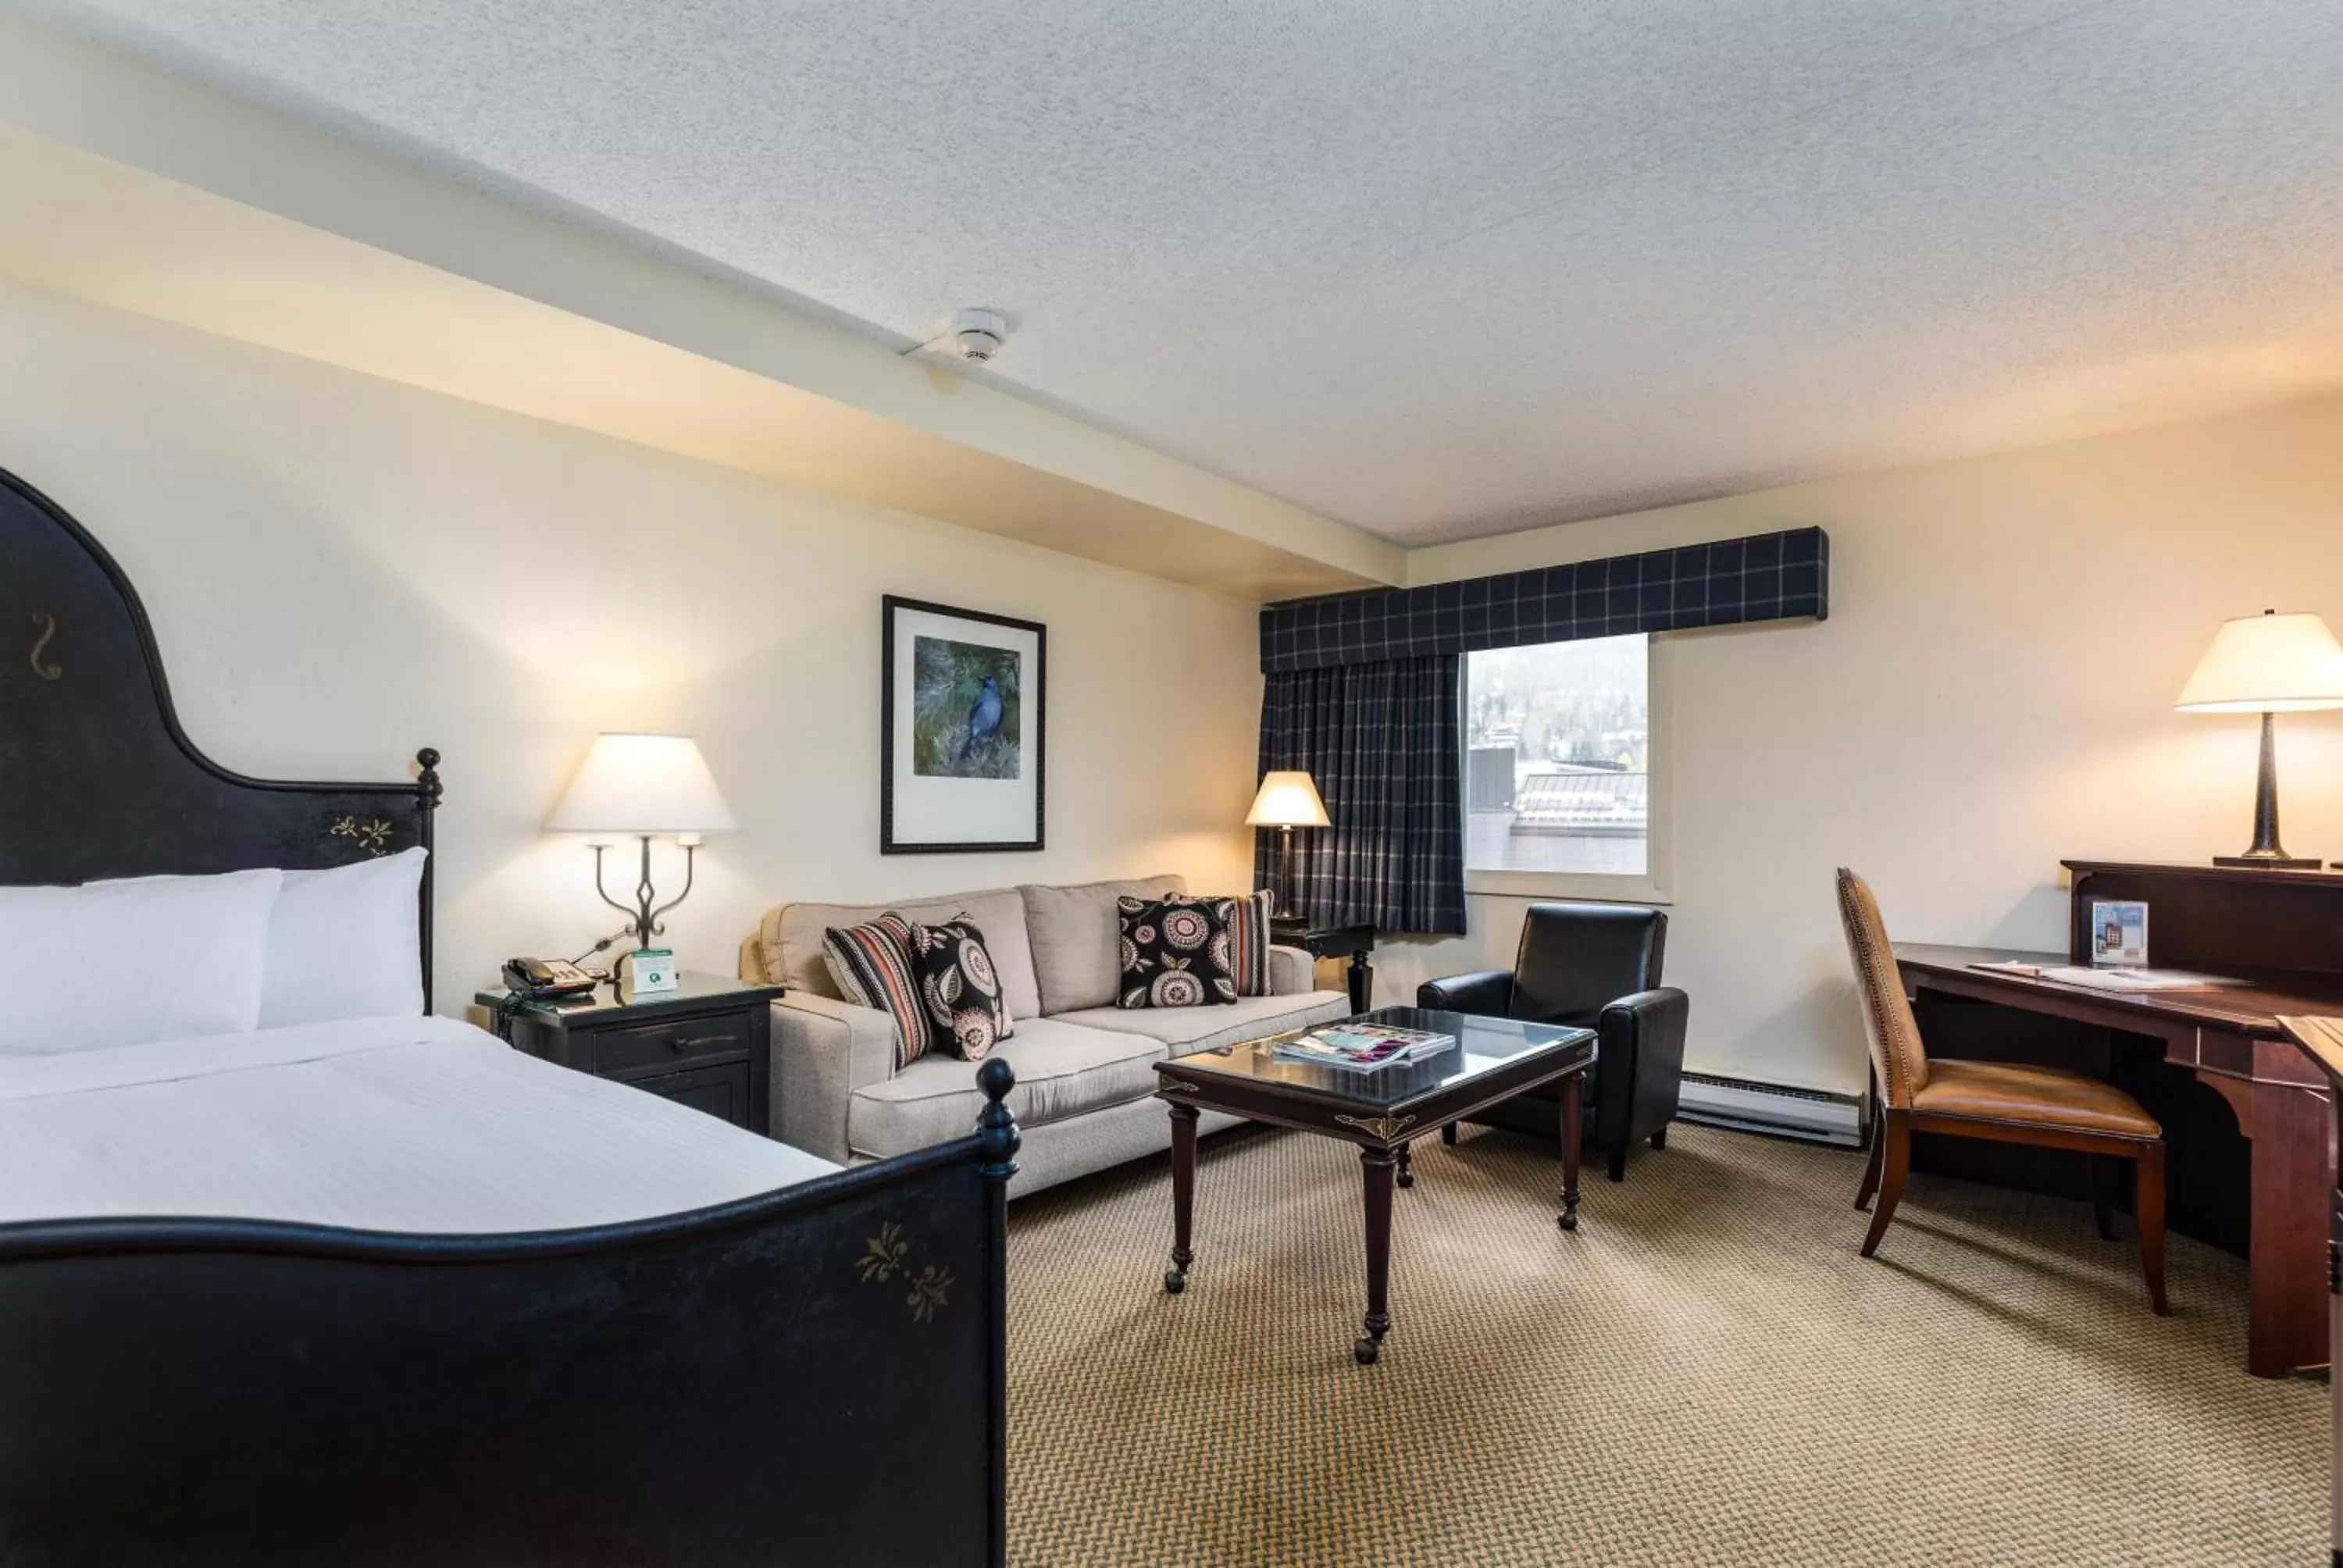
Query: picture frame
[[963, 752], [2118, 932]]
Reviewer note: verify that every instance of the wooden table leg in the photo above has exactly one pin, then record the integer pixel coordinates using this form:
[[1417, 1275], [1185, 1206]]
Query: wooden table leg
[[1378, 1164], [1183, 1195], [1406, 1166], [1363, 982], [2286, 1308], [1573, 1102]]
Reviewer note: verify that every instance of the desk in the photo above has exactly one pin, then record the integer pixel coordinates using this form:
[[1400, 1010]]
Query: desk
[[2231, 1040]]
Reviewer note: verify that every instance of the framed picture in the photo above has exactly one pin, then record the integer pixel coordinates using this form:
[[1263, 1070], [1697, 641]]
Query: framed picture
[[962, 738], [2118, 932]]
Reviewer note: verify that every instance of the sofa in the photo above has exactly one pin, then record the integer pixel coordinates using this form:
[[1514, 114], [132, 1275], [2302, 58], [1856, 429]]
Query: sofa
[[1085, 1088]]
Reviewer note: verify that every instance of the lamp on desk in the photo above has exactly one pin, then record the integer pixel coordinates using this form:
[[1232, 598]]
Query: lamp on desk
[[2267, 664], [649, 786], [1288, 800]]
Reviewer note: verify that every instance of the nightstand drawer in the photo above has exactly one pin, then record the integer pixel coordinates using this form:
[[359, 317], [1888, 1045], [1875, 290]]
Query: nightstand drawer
[[679, 1043], [723, 1090]]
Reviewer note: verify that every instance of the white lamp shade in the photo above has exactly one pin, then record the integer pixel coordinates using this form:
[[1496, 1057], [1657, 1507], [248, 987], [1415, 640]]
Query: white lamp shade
[[642, 784], [2267, 664], [1288, 799]]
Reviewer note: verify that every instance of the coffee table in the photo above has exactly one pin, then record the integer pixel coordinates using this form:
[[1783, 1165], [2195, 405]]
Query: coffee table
[[1382, 1113]]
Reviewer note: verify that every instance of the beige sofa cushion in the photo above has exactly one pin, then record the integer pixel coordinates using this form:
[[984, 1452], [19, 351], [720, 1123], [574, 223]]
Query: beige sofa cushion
[[1185, 1030], [1062, 1070], [1076, 936], [788, 940]]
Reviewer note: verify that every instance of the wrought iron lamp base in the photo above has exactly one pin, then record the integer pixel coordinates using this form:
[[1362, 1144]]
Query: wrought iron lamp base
[[643, 912]]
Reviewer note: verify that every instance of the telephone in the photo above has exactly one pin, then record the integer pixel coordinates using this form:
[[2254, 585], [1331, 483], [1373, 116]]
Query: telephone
[[539, 979]]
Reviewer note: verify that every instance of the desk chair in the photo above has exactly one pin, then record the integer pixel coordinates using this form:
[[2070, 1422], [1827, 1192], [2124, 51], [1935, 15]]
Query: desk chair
[[2037, 1105]]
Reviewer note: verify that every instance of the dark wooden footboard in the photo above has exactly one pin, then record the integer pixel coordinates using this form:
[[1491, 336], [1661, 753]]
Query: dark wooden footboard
[[812, 1376]]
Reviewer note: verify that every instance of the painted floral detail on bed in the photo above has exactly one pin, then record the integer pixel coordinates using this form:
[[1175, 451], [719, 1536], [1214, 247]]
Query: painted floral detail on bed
[[887, 1254], [47, 669], [373, 837], [883, 1254], [1177, 952], [930, 1293]]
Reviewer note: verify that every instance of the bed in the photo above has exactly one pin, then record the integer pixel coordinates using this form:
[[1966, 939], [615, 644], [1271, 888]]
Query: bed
[[383, 1291]]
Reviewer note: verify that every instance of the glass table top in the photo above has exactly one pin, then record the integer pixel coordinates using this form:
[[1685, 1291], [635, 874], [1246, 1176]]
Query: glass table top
[[1482, 1046]]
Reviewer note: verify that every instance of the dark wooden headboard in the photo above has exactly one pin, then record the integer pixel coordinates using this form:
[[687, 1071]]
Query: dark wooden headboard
[[97, 779]]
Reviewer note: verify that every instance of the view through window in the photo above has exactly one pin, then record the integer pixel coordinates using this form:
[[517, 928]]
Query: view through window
[[1557, 760]]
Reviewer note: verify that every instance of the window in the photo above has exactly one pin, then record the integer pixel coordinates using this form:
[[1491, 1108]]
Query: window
[[1558, 758]]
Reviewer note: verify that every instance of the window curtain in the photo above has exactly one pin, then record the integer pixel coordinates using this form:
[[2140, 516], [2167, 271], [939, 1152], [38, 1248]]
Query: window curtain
[[1381, 741]]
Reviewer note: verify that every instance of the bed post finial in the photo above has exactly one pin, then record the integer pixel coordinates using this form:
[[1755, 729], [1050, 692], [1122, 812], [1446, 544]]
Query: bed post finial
[[996, 1128], [427, 759]]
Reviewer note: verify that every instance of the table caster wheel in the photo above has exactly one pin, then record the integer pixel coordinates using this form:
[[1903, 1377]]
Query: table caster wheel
[[1568, 1222], [1368, 1352], [1174, 1282]]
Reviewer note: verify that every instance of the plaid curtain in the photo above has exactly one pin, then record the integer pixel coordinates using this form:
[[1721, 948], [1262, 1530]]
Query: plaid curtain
[[1765, 577], [1382, 742]]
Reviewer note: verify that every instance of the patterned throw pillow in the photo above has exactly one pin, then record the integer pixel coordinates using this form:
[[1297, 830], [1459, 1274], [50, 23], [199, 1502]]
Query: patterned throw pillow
[[1248, 936], [1176, 952], [967, 1014], [872, 966]]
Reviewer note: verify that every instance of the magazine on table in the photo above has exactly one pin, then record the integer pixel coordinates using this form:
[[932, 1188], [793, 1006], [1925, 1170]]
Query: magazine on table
[[1361, 1046]]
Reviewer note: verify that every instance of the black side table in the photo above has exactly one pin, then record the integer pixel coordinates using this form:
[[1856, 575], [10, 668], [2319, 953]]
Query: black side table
[[702, 1044], [1334, 942]]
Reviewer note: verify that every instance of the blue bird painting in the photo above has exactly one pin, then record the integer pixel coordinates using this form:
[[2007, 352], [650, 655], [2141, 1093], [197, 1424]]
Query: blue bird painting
[[965, 709], [983, 719]]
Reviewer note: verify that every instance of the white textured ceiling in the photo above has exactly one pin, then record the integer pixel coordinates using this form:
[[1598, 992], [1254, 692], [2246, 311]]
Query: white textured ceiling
[[1436, 269]]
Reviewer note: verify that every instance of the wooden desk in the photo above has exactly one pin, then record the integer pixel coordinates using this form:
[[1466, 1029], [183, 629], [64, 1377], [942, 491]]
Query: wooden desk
[[2321, 1039], [2231, 1040]]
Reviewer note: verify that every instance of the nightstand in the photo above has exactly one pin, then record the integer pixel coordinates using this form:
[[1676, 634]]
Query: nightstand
[[1334, 942], [701, 1044]]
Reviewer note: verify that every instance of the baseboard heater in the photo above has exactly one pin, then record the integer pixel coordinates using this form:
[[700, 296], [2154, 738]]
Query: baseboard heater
[[1775, 1108]]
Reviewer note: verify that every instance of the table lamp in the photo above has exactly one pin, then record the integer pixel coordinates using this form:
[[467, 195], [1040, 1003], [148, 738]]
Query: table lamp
[[651, 786], [2268, 663], [1288, 800]]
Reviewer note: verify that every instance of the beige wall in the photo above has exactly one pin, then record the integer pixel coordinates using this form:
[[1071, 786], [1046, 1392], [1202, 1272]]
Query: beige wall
[[341, 569], [1992, 692]]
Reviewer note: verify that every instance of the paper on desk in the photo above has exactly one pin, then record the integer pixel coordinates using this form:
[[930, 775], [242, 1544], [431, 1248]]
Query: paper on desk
[[2131, 979]]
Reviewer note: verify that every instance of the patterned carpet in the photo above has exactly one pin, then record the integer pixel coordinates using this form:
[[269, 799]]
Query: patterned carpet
[[1705, 1373]]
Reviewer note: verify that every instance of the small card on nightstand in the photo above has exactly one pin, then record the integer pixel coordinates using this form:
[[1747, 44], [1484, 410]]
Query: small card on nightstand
[[650, 969]]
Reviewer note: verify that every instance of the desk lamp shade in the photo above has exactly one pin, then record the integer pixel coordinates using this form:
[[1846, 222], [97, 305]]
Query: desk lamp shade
[[650, 786], [1288, 800], [2267, 664]]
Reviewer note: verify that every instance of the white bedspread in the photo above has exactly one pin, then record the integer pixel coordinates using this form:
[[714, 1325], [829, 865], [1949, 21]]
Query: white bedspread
[[414, 1124]]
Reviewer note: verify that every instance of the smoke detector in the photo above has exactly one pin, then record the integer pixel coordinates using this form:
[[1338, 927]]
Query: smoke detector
[[975, 335]]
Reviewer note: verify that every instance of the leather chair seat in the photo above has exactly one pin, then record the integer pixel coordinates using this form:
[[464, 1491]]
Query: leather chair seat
[[2038, 1096]]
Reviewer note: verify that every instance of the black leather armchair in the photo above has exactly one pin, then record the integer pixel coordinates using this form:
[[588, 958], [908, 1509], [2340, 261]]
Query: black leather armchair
[[1589, 966]]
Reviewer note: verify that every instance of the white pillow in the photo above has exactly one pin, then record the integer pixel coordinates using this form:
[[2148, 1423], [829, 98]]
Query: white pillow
[[121, 963], [345, 943]]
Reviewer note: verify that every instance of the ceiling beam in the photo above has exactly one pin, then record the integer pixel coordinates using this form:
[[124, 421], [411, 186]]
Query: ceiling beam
[[127, 186]]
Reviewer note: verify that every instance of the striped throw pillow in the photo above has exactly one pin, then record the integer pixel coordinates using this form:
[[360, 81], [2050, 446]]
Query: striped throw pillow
[[871, 963], [1249, 937]]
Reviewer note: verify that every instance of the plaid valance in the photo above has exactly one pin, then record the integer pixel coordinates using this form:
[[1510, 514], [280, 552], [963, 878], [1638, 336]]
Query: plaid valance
[[1763, 577]]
